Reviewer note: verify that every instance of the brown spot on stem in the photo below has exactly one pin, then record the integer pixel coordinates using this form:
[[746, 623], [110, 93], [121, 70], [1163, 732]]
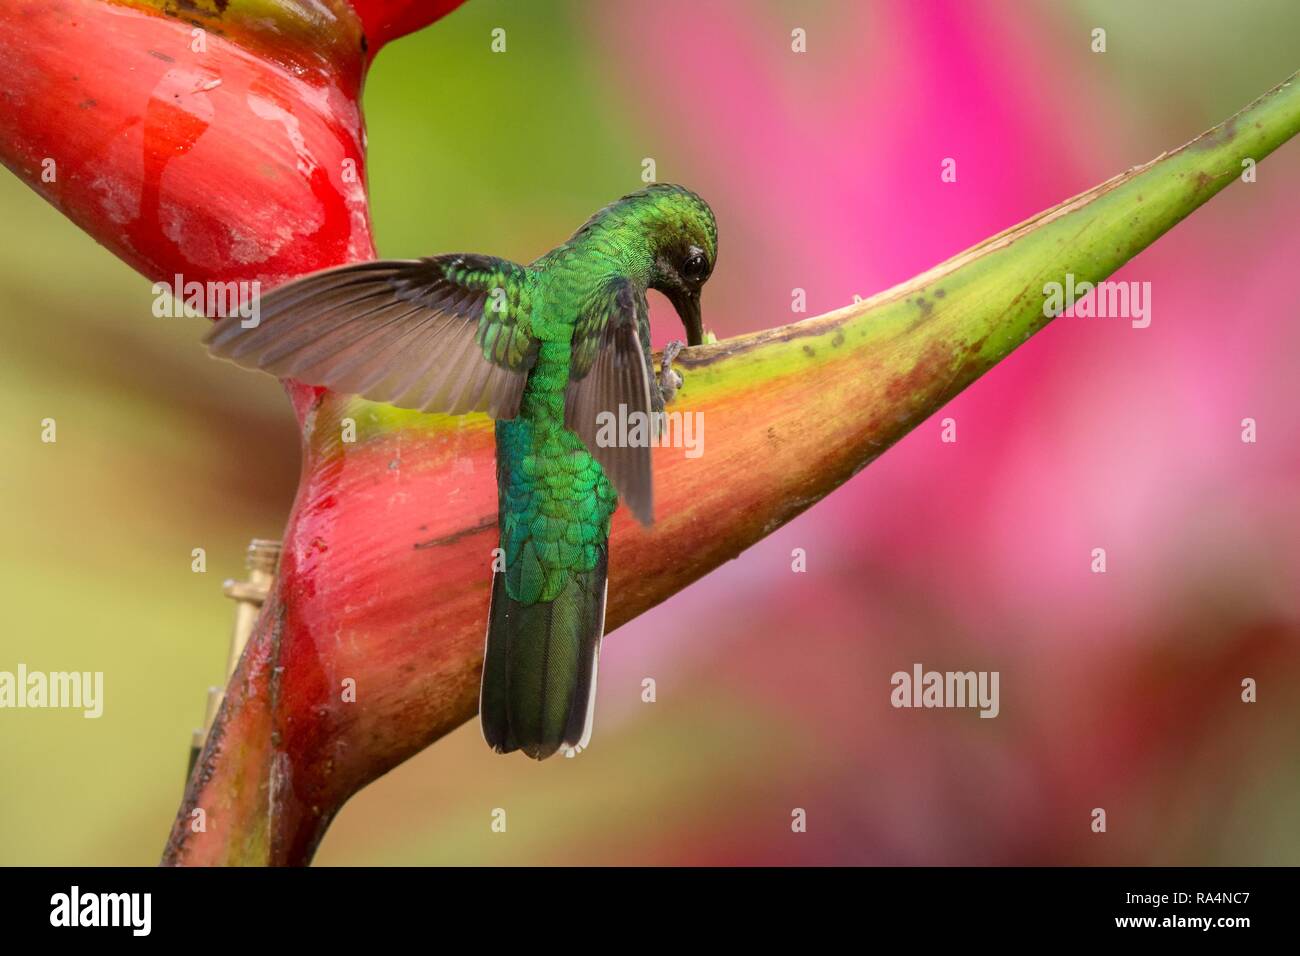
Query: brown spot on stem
[[483, 524], [700, 356], [1219, 136]]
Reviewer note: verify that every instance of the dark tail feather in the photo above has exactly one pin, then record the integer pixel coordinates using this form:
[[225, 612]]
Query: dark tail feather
[[539, 667]]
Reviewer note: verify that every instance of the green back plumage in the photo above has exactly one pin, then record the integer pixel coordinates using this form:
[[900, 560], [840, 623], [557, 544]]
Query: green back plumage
[[552, 491], [555, 499]]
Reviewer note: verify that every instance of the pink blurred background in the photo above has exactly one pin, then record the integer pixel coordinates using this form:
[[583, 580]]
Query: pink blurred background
[[1119, 690]]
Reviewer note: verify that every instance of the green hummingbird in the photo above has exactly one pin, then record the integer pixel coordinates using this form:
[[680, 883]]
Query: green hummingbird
[[549, 350]]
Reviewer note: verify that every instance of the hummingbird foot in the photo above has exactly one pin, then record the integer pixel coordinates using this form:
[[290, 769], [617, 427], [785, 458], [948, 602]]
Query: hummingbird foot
[[669, 380]]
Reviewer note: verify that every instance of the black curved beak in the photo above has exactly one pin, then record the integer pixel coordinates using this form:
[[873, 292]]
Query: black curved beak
[[687, 304]]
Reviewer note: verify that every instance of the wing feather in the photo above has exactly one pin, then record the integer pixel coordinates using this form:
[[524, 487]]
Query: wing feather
[[609, 377], [417, 333]]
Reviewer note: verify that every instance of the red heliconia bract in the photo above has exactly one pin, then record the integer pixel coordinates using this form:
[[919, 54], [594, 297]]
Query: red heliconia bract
[[214, 142]]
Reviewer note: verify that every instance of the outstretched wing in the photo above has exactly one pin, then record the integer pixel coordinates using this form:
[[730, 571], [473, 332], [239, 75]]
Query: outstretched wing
[[608, 370], [444, 334]]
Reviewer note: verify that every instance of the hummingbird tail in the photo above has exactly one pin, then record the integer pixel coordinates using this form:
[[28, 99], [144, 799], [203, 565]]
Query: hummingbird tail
[[539, 667]]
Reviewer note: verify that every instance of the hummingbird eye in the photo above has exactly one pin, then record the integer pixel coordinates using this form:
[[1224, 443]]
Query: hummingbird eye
[[695, 268]]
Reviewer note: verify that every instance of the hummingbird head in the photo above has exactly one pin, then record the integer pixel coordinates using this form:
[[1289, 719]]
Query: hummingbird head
[[680, 245], [684, 242]]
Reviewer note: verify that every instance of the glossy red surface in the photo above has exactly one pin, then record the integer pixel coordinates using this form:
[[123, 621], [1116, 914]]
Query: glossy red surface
[[233, 152]]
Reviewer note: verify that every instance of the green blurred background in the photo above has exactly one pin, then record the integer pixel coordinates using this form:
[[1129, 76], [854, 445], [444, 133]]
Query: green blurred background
[[161, 450]]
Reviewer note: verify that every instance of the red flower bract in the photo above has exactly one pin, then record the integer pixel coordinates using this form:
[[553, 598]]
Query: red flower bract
[[215, 141]]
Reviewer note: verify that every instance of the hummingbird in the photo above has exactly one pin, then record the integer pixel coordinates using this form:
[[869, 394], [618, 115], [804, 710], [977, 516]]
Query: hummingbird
[[549, 350]]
